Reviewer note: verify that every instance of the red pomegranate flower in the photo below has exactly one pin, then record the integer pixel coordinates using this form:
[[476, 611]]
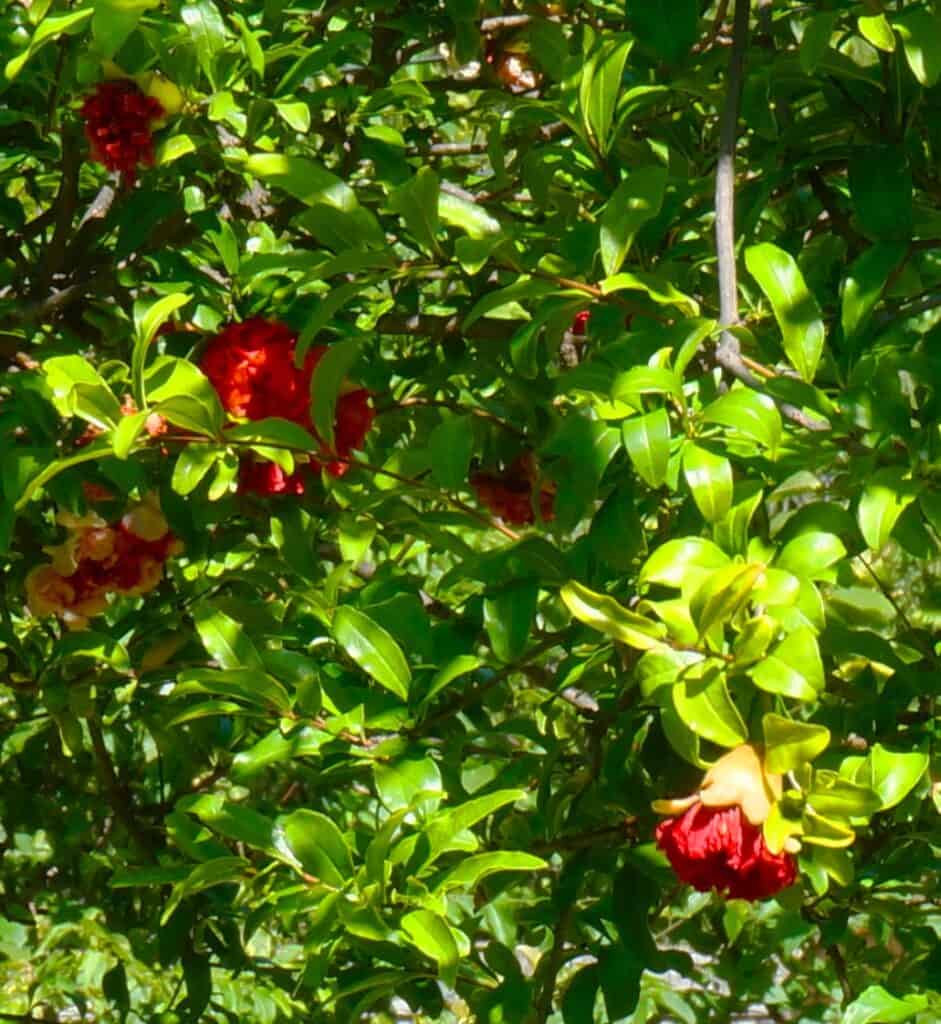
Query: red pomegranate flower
[[119, 119], [268, 478], [719, 848], [715, 840], [509, 495], [251, 366]]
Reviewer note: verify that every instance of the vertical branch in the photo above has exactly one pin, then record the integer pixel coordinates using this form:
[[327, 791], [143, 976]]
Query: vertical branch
[[728, 351], [116, 793], [725, 180]]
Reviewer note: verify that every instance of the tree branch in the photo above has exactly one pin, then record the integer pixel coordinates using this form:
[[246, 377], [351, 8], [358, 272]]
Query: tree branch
[[116, 793], [728, 352], [550, 966]]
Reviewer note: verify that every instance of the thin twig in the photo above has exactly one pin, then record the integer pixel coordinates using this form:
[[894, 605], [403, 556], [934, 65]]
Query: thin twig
[[471, 410], [839, 966]]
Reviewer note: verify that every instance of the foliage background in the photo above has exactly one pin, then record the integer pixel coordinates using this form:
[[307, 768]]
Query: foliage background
[[368, 752]]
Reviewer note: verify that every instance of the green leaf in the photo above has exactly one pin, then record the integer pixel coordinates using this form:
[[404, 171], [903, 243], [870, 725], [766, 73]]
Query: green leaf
[[646, 380], [795, 308], [416, 201], [446, 825], [458, 666], [125, 434], [920, 31], [172, 148], [192, 464], [409, 783], [451, 445], [611, 618], [247, 684], [723, 594], [600, 87], [250, 45], [49, 28], [473, 870], [647, 440], [219, 871], [880, 182], [275, 432], [833, 795], [671, 563], [302, 178], [865, 283], [470, 217], [147, 321], [276, 748], [754, 639], [885, 497], [656, 288], [184, 395], [703, 704], [430, 934], [875, 28], [326, 310], [224, 640], [508, 619], [752, 414], [816, 40], [667, 28], [894, 775], [634, 202], [790, 744], [208, 32], [326, 383], [877, 1006], [794, 668], [709, 478], [79, 390], [373, 649], [811, 555], [312, 842]]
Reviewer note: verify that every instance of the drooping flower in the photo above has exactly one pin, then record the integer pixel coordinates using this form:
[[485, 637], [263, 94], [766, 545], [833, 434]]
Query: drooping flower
[[509, 494], [119, 120], [714, 839]]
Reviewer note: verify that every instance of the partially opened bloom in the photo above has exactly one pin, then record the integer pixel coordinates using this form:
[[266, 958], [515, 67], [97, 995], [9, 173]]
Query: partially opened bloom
[[119, 120], [509, 494], [97, 559], [714, 839]]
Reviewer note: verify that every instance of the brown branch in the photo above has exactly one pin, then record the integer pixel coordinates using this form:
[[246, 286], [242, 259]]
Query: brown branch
[[614, 835], [728, 352], [459, 407], [504, 21], [839, 966], [471, 697], [440, 327], [65, 203], [549, 966], [117, 794]]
